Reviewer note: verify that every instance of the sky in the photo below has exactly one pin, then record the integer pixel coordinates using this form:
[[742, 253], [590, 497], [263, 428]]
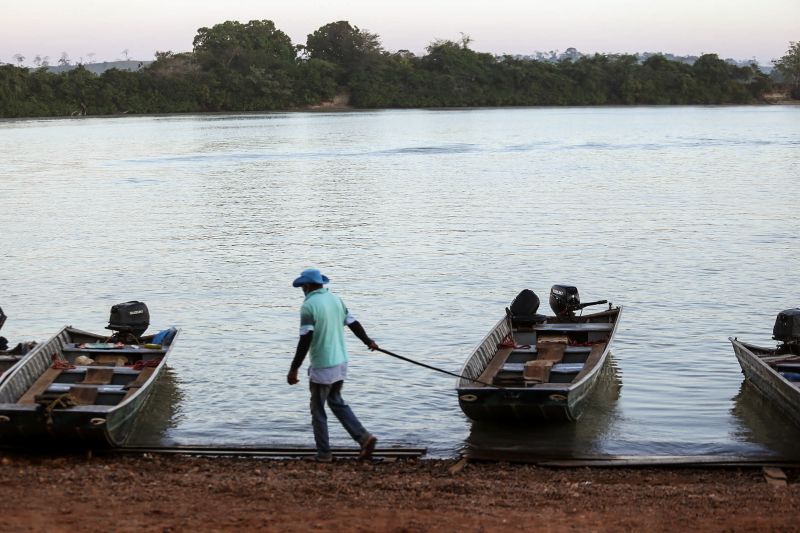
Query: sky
[[103, 30]]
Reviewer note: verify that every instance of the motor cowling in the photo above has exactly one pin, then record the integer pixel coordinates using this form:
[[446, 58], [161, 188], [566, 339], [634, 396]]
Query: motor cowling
[[526, 303], [564, 300], [787, 326], [523, 310], [129, 317]]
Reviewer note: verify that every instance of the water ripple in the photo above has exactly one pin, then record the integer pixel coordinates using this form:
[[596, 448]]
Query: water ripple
[[428, 223]]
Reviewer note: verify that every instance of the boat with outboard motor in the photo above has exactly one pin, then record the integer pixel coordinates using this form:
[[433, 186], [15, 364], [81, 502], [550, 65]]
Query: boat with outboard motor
[[84, 389], [775, 372], [537, 367]]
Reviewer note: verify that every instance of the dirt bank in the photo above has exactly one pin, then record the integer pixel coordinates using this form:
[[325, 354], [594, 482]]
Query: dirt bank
[[200, 494]]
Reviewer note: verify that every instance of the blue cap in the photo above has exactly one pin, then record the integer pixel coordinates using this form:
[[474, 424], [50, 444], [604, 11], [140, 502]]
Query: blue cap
[[310, 275]]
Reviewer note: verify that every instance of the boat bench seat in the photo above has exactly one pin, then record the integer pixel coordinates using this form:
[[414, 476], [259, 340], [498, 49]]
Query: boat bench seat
[[579, 326], [98, 375], [85, 391], [568, 349], [73, 348], [102, 389], [558, 368], [117, 370]]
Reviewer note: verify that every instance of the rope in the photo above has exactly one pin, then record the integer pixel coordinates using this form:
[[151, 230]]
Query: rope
[[588, 343], [142, 364], [387, 352], [509, 342], [63, 401], [62, 364]]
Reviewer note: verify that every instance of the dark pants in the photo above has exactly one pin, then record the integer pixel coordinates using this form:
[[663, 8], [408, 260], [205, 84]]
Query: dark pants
[[332, 394]]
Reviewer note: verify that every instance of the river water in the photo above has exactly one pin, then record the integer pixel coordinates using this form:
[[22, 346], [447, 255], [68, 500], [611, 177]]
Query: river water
[[428, 224]]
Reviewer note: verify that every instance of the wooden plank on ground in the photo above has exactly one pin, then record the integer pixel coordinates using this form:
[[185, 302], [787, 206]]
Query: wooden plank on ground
[[40, 385], [774, 476], [494, 366], [459, 466]]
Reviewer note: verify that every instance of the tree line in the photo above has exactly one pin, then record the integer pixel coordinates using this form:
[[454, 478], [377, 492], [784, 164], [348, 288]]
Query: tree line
[[254, 66]]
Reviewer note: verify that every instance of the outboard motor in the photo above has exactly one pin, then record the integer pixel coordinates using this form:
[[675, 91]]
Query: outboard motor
[[2, 318], [129, 319], [787, 327], [565, 300], [523, 309]]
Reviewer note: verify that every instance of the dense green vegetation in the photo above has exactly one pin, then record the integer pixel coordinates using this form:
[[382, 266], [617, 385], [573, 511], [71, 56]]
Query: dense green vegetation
[[256, 67], [789, 67]]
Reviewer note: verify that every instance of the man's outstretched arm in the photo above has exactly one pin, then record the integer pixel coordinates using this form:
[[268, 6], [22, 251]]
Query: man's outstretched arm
[[358, 331]]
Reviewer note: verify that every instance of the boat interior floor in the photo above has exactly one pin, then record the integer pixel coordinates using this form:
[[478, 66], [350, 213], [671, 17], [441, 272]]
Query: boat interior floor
[[548, 354], [108, 377]]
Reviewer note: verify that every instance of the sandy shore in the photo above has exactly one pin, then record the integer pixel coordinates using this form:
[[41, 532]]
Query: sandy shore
[[172, 493]]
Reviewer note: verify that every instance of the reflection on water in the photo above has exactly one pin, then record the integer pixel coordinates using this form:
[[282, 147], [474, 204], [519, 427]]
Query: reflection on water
[[764, 425], [584, 438], [160, 414]]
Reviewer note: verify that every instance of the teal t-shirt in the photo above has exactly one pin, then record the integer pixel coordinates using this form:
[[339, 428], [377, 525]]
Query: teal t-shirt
[[325, 314]]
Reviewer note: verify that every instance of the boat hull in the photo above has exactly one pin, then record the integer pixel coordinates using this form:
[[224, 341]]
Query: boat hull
[[551, 404], [547, 402]]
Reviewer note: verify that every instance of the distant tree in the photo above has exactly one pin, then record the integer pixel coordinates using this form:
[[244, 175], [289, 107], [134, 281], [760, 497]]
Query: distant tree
[[251, 65], [237, 46], [125, 54], [19, 58], [171, 64], [713, 77], [346, 46], [570, 54], [64, 60], [789, 67], [459, 76], [758, 83], [37, 61]]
